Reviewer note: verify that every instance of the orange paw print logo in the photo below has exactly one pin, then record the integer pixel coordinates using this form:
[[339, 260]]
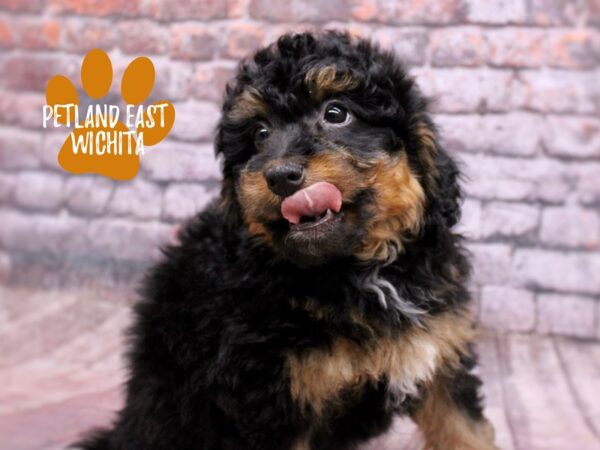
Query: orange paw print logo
[[106, 139]]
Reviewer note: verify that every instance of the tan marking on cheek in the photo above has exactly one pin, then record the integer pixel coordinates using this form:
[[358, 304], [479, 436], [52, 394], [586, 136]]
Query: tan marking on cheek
[[302, 444], [247, 105], [258, 229], [258, 203], [427, 152], [397, 211], [326, 80], [319, 376], [445, 427], [339, 168]]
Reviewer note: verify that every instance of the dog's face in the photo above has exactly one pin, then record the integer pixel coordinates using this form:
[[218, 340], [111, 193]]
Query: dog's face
[[328, 151]]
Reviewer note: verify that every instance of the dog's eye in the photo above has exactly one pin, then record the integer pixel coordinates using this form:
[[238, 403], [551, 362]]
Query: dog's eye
[[261, 133], [336, 114]]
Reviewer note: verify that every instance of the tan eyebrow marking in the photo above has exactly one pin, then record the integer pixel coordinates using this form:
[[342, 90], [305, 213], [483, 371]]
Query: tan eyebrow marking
[[326, 80], [247, 105]]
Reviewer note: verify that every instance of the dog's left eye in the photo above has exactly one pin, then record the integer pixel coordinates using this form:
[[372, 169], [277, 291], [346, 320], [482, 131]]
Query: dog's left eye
[[261, 133], [336, 114]]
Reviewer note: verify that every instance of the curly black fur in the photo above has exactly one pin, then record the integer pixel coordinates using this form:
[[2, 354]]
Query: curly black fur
[[220, 313]]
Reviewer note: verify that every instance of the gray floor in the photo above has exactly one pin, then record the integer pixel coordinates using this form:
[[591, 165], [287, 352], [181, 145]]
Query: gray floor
[[60, 371]]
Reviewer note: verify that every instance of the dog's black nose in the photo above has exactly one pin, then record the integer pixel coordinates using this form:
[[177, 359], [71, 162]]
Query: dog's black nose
[[285, 179]]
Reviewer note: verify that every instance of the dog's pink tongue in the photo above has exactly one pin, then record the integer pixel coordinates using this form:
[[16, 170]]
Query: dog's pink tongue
[[311, 201]]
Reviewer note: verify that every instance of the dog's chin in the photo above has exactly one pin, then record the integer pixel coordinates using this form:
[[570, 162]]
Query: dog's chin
[[316, 242]]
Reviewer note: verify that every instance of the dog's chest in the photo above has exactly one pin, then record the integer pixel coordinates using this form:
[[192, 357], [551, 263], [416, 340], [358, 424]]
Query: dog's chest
[[319, 376]]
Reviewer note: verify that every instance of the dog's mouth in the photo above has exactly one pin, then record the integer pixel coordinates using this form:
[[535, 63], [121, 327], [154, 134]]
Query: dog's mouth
[[313, 209]]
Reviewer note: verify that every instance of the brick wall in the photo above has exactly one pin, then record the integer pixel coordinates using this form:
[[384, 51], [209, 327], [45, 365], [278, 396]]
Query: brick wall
[[517, 84]]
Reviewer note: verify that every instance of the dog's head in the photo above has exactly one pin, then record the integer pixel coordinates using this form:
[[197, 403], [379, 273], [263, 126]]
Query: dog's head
[[329, 152]]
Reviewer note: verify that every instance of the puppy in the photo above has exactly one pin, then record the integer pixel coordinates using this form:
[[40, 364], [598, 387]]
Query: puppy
[[325, 291]]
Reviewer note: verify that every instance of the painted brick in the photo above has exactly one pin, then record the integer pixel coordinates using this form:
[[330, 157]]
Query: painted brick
[[515, 86], [508, 309], [242, 40], [314, 11], [39, 234], [572, 137], [209, 81], [470, 221], [176, 81], [516, 133], [409, 44], [39, 34], [553, 270], [8, 34], [516, 47], [598, 314], [97, 8], [192, 42], [136, 198], [267, 10], [88, 195], [40, 190], [488, 89], [52, 142], [125, 240], [8, 183], [5, 267], [489, 185], [431, 11], [19, 149], [490, 177], [143, 36], [21, 108], [196, 121], [177, 161], [410, 11], [189, 10], [236, 8], [18, 5], [593, 17], [491, 263], [502, 219], [32, 71], [570, 226], [84, 34], [588, 184], [556, 12], [574, 49], [566, 314], [182, 200], [497, 11], [557, 91], [462, 46]]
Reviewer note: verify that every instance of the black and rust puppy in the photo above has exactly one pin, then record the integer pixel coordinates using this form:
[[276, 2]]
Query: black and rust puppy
[[325, 291]]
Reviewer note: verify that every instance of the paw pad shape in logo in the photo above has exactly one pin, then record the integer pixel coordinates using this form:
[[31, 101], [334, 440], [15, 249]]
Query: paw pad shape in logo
[[101, 143]]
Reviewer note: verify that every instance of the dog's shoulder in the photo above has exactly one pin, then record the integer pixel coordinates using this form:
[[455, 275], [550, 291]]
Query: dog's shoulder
[[209, 266], [185, 296], [195, 266]]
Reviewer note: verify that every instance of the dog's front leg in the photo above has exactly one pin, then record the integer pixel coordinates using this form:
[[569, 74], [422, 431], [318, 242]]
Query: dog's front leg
[[450, 415]]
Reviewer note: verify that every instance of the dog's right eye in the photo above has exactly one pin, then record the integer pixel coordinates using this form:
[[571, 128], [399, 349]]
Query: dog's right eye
[[336, 114], [261, 133]]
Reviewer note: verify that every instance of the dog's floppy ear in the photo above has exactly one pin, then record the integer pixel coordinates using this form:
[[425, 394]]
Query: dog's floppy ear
[[440, 176], [229, 204], [228, 201], [448, 189]]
